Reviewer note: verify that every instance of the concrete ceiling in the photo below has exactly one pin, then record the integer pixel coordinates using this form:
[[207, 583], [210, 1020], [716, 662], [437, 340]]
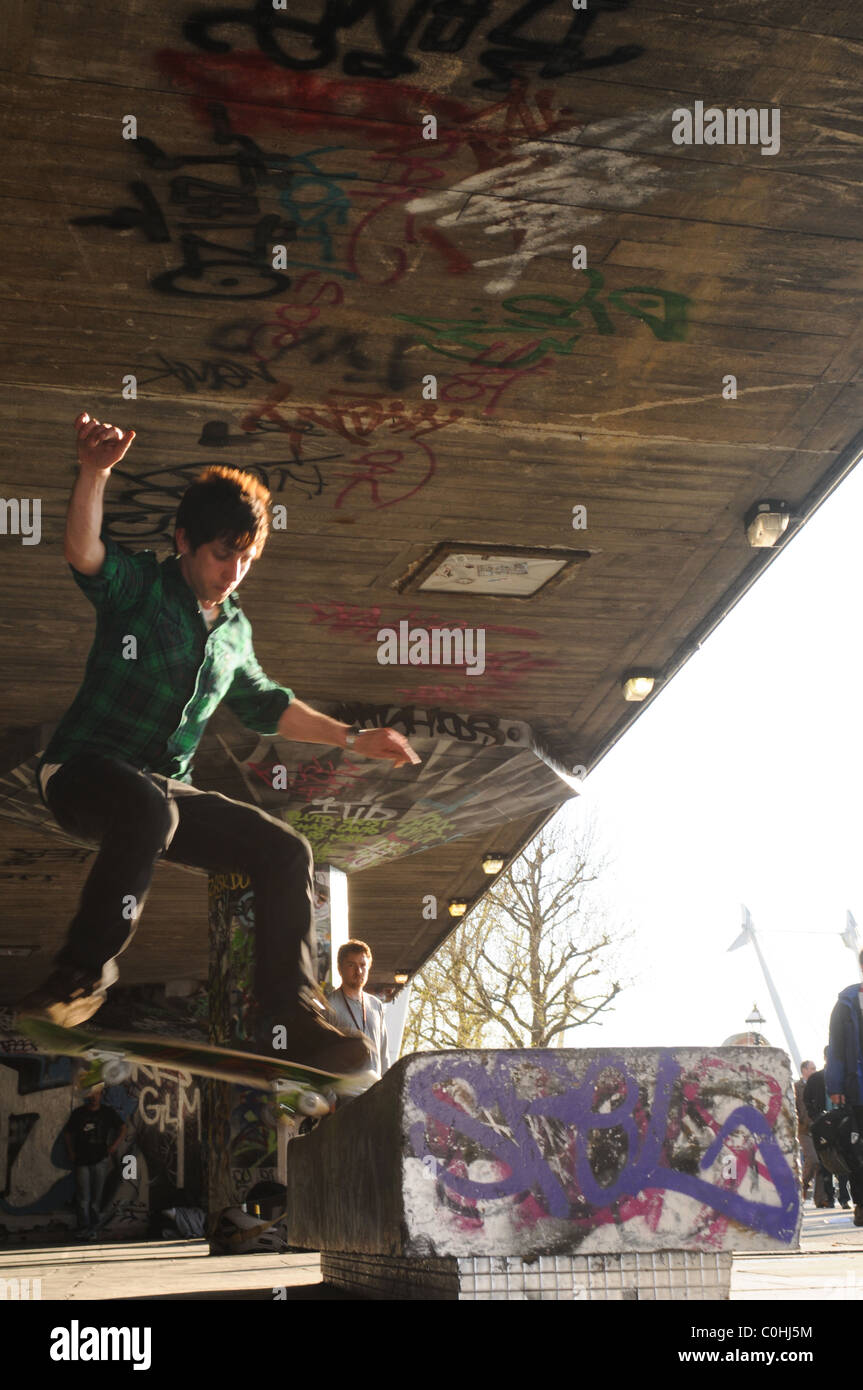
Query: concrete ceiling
[[563, 378]]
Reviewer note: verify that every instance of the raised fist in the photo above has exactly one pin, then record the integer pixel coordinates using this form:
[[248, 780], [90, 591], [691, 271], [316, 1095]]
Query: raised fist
[[100, 446]]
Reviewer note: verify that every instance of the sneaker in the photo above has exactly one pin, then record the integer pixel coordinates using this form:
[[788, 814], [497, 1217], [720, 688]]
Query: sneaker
[[858, 1215], [68, 997], [312, 1041], [846, 1206]]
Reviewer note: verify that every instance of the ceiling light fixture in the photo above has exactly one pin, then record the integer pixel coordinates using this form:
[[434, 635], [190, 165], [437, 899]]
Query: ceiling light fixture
[[766, 522], [637, 685], [457, 907], [492, 863]]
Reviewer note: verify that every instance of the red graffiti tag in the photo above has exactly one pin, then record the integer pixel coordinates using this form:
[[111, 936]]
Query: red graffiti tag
[[379, 474], [351, 618], [267, 96], [312, 780]]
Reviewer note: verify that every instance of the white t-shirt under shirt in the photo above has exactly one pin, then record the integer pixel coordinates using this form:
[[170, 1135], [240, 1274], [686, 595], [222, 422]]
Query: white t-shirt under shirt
[[46, 773]]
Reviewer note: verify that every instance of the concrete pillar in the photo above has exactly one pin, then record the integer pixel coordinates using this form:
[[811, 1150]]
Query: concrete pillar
[[556, 1173], [243, 1145]]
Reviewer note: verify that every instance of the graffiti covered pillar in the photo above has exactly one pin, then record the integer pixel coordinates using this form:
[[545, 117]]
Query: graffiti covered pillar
[[553, 1173], [243, 1144]]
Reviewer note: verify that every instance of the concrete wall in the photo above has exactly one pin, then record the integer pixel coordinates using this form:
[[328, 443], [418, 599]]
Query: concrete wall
[[523, 1153], [163, 1113]]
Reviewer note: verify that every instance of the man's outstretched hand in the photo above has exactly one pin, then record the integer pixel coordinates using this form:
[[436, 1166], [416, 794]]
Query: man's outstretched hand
[[100, 446], [303, 724], [386, 743]]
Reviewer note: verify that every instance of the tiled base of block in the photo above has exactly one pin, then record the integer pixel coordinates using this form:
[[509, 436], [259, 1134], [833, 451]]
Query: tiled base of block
[[659, 1274]]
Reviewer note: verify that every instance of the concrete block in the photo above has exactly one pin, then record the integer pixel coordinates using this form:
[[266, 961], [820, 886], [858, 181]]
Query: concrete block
[[542, 1152]]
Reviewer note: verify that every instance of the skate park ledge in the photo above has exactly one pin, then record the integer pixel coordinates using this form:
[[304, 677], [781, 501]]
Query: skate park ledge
[[517, 1161]]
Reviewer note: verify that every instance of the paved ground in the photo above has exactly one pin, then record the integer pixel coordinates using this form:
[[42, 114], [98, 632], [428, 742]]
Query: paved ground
[[829, 1265], [162, 1269]]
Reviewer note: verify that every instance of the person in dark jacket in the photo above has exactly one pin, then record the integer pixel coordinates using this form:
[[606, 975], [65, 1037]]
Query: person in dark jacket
[[810, 1162], [815, 1102], [844, 1071], [92, 1134]]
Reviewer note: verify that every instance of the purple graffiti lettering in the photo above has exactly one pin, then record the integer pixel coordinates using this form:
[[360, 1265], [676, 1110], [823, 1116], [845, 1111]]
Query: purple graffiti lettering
[[644, 1166], [520, 1154]]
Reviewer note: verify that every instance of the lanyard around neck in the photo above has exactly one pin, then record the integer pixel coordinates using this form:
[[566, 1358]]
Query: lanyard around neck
[[361, 1026]]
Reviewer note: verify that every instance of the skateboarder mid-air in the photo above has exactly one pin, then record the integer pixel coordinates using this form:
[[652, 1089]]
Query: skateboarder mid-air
[[117, 768]]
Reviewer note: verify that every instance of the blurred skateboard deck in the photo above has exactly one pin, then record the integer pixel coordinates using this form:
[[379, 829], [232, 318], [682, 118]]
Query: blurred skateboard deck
[[296, 1089]]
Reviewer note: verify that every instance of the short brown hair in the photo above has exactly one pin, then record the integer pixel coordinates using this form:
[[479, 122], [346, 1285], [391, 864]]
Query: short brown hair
[[225, 504], [351, 947]]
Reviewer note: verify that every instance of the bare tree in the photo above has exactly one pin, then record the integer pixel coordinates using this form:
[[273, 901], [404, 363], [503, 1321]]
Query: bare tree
[[442, 1012], [526, 965]]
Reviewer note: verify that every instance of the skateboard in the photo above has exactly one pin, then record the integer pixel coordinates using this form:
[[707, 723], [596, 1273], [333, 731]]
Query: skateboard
[[295, 1089]]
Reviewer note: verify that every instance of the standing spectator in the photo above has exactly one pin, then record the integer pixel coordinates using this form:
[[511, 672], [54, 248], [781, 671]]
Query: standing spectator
[[810, 1162], [844, 1070], [356, 1010], [93, 1132], [816, 1101]]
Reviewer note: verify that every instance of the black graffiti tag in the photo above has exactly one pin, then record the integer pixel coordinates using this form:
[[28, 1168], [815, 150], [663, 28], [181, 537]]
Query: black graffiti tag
[[146, 505], [147, 218], [433, 26], [213, 269], [209, 373], [270, 341], [555, 58]]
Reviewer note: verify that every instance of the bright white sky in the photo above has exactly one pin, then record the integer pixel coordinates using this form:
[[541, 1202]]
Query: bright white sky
[[743, 783]]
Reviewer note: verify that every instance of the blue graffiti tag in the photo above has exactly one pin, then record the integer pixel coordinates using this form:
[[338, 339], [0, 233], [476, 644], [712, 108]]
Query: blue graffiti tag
[[644, 1166]]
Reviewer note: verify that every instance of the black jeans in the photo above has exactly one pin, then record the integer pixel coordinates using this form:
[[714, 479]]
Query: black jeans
[[823, 1189], [139, 817]]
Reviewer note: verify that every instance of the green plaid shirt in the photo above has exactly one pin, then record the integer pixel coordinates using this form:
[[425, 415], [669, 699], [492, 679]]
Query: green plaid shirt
[[148, 701]]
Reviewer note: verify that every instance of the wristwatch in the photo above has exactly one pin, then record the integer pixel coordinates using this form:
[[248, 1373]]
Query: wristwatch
[[352, 735]]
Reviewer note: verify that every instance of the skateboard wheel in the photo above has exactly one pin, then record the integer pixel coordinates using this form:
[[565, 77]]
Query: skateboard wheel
[[311, 1103], [116, 1071]]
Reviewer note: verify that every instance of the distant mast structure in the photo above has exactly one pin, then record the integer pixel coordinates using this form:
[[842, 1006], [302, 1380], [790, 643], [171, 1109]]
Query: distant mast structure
[[748, 934]]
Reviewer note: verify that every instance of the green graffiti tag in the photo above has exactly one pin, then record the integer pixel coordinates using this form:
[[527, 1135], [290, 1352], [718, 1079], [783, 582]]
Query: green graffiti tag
[[322, 831], [418, 829], [425, 827], [558, 321]]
